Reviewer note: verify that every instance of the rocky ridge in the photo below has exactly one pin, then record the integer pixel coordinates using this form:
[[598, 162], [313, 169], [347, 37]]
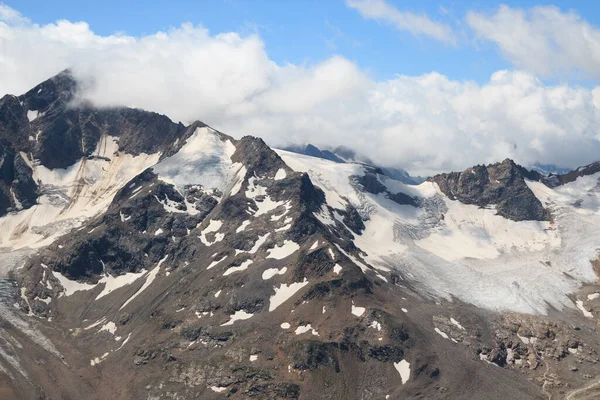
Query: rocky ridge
[[501, 185]]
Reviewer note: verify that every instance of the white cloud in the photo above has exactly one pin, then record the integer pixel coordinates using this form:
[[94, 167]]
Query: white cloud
[[380, 10], [424, 123], [11, 15], [542, 40]]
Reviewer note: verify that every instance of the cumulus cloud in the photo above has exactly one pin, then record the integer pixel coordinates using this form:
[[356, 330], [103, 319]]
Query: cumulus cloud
[[380, 10], [542, 40], [425, 123]]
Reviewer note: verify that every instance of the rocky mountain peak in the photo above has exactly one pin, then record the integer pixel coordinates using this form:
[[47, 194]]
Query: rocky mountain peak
[[258, 158], [501, 185], [60, 88]]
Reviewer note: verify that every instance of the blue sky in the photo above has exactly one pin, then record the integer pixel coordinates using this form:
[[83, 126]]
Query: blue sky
[[429, 86], [307, 31]]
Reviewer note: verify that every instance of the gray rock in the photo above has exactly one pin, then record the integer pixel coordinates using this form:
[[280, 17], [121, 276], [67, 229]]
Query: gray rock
[[501, 185]]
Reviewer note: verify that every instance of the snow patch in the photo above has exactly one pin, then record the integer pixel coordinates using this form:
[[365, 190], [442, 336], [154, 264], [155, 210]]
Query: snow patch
[[215, 262], [243, 226], [47, 300], [284, 292], [241, 267], [95, 324], [171, 206], [331, 254], [523, 339], [271, 272], [32, 115], [457, 324], [403, 368], [375, 325], [337, 268], [213, 226], [288, 248], [442, 334], [18, 204], [69, 286], [109, 327], [355, 260], [281, 174], [259, 242], [585, 312], [239, 315], [283, 228], [306, 328], [98, 360], [124, 341], [358, 311], [266, 204], [149, 279], [240, 180]]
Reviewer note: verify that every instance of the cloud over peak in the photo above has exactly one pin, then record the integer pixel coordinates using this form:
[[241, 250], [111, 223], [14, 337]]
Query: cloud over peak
[[426, 124]]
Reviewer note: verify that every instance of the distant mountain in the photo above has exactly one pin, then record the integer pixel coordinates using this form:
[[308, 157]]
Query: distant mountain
[[153, 260], [547, 169], [343, 154], [314, 151]]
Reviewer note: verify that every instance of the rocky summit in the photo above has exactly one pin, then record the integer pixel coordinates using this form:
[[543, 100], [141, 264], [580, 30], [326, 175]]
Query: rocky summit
[[144, 259]]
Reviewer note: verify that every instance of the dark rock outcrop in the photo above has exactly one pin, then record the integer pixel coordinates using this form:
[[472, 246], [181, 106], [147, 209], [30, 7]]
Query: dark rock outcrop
[[370, 182], [501, 185], [17, 188], [311, 355]]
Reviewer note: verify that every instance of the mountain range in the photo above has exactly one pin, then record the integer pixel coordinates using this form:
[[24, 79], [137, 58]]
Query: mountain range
[[141, 258]]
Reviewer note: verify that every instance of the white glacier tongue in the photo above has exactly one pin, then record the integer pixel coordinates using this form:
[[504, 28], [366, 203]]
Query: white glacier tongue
[[453, 249], [205, 159]]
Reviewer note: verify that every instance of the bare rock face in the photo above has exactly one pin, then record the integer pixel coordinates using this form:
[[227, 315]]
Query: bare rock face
[[18, 191], [501, 185]]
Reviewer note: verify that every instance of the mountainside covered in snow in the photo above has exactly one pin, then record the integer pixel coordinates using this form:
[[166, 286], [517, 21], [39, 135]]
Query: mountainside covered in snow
[[342, 154], [146, 259]]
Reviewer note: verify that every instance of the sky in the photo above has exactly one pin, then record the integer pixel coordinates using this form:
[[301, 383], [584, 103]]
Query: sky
[[429, 86]]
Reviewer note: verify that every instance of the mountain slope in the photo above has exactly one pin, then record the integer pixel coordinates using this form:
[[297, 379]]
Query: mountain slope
[[165, 261], [342, 154]]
